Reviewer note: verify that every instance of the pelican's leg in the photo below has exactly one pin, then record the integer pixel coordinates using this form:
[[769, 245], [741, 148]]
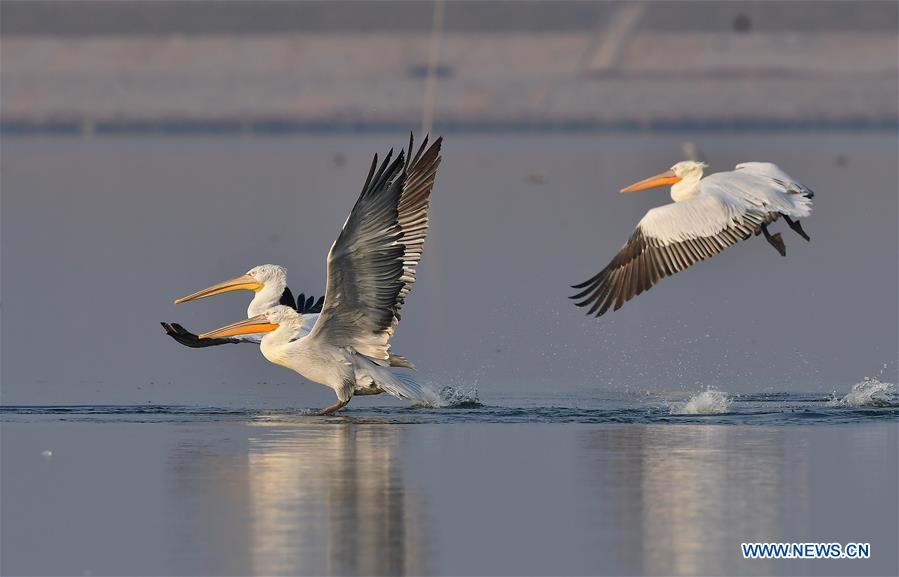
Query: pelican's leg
[[794, 224], [776, 240], [333, 408]]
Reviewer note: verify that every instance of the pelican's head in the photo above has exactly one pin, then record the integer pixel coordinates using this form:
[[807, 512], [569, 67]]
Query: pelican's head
[[682, 177], [689, 169], [275, 318], [266, 280]]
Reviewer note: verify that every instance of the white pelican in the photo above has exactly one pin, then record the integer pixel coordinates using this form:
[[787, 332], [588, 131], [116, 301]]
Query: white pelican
[[267, 281], [371, 268], [269, 285], [707, 216]]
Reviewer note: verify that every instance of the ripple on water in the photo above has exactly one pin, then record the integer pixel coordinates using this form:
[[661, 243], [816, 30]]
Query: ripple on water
[[869, 401]]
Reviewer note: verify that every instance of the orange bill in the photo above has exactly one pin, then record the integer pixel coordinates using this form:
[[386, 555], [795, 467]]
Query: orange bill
[[243, 282], [663, 179], [251, 326]]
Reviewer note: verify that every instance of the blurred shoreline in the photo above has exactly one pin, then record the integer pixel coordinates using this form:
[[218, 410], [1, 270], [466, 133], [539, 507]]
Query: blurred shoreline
[[286, 126], [304, 67]]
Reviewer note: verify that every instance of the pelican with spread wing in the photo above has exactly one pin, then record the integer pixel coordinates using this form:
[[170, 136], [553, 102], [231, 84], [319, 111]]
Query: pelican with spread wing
[[707, 216], [371, 268]]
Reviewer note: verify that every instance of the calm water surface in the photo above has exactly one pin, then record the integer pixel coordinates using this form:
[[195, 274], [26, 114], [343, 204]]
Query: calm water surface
[[198, 490], [159, 460]]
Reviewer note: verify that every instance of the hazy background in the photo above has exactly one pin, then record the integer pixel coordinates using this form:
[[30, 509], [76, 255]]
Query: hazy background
[[151, 149]]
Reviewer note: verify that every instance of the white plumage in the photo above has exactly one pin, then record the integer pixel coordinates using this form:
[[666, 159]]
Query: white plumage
[[268, 282], [371, 267], [708, 215]]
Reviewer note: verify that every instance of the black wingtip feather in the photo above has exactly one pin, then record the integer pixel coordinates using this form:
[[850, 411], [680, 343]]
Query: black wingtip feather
[[287, 299], [587, 282], [371, 172], [409, 155]]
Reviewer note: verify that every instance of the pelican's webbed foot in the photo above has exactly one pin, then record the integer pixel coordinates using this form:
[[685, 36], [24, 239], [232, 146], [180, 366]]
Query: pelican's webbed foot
[[333, 408], [797, 228], [776, 240]]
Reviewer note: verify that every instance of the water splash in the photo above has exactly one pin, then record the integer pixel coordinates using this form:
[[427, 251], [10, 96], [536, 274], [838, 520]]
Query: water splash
[[707, 402], [868, 393], [460, 397], [451, 397]]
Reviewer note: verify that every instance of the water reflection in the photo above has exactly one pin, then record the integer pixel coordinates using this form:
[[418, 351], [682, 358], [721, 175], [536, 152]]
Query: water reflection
[[346, 499], [310, 500], [683, 498], [331, 500]]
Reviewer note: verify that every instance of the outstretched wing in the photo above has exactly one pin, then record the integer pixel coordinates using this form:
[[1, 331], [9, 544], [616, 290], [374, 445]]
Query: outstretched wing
[[371, 265], [760, 186], [667, 240], [729, 207]]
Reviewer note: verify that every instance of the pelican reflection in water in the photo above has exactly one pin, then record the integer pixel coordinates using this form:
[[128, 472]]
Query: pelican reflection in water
[[669, 491], [302, 500]]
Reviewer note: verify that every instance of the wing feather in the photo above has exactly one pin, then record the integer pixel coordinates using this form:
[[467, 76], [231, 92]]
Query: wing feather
[[729, 207], [668, 240], [371, 265]]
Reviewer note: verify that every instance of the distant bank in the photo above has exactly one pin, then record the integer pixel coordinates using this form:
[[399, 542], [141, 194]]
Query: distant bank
[[286, 67]]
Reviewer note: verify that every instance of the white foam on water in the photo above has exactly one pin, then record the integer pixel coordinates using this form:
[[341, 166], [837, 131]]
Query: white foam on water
[[868, 393], [450, 397], [707, 402]]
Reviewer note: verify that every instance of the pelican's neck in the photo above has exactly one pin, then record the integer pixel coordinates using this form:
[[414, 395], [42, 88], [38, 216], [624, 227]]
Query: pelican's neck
[[265, 298], [687, 188], [282, 334], [277, 345]]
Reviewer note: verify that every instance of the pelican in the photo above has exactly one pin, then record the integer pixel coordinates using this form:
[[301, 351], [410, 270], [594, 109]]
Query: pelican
[[269, 285], [371, 268], [267, 281], [707, 216]]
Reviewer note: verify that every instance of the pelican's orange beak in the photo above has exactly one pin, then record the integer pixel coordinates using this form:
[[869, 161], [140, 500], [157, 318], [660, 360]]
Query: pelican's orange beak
[[243, 282], [251, 326], [662, 179]]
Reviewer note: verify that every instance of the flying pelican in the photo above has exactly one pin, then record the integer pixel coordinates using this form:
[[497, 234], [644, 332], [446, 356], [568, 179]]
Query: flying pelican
[[707, 216], [269, 285], [371, 268]]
